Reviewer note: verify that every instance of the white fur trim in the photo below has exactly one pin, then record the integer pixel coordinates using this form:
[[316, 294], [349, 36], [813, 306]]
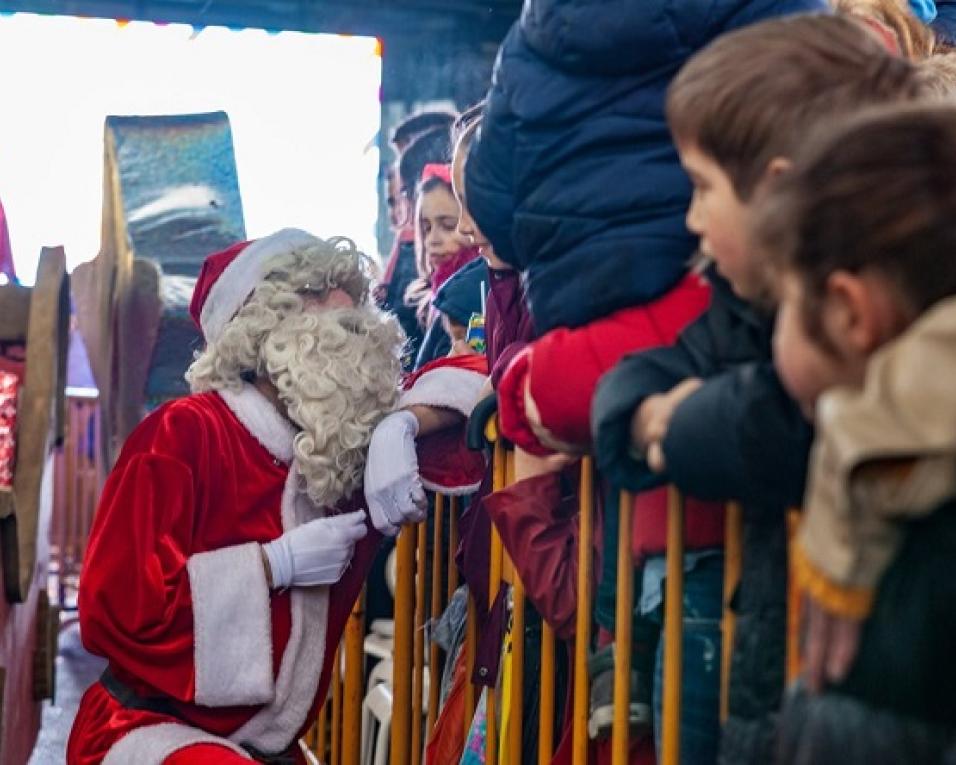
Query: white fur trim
[[260, 417], [242, 276], [452, 491], [152, 744], [233, 627], [273, 727], [449, 387]]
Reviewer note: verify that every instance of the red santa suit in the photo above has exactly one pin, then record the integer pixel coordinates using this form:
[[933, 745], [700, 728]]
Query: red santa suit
[[174, 592], [206, 663]]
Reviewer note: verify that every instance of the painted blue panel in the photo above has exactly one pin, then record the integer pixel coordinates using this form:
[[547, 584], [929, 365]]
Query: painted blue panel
[[179, 187], [181, 202]]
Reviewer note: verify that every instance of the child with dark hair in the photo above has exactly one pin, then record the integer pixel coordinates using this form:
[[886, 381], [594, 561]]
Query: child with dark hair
[[709, 414], [862, 235], [421, 122], [431, 146]]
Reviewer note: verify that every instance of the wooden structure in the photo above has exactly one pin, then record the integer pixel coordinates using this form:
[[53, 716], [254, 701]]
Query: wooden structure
[[37, 317], [170, 198]]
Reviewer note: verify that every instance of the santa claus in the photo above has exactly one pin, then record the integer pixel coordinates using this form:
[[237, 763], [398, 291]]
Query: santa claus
[[231, 540]]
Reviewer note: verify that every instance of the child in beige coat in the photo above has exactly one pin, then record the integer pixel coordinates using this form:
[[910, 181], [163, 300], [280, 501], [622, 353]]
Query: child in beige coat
[[862, 235]]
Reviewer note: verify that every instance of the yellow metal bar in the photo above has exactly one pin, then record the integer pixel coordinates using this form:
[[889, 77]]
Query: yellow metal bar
[[322, 733], [471, 641], [494, 583], [546, 711], [620, 733], [733, 551], [336, 758], [491, 704], [452, 547], [579, 742], [517, 672], [517, 643], [434, 652], [354, 684], [673, 629], [402, 667], [793, 605], [418, 676]]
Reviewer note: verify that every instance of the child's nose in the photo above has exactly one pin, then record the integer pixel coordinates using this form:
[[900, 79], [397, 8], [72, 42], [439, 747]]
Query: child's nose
[[694, 221]]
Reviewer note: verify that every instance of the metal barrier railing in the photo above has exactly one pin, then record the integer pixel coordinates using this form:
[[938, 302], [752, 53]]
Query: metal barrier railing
[[79, 474], [415, 702]]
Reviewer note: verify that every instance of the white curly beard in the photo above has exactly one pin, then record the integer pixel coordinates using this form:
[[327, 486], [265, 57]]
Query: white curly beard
[[337, 372]]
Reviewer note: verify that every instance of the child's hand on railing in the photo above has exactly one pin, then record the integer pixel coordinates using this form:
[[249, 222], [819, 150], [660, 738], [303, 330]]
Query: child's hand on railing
[[831, 644], [528, 465], [652, 418]]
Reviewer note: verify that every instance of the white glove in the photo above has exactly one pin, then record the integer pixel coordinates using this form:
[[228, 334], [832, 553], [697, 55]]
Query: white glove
[[317, 552], [393, 488]]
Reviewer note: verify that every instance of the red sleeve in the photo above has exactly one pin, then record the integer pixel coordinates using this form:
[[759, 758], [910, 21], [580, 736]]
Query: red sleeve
[[565, 365], [164, 616], [505, 357], [135, 604], [540, 532], [511, 411]]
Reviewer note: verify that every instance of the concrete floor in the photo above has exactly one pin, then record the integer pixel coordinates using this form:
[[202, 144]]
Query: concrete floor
[[75, 672]]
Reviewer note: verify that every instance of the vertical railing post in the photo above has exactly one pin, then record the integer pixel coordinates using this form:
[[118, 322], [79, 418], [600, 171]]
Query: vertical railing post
[[402, 656], [336, 758], [516, 721], [494, 584], [322, 734], [434, 651], [354, 685], [673, 629], [471, 642], [582, 631], [793, 604], [418, 659], [70, 544], [546, 707], [620, 733], [452, 547], [733, 549]]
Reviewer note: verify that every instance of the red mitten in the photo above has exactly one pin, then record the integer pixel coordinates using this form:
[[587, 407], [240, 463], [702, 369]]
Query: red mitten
[[511, 410]]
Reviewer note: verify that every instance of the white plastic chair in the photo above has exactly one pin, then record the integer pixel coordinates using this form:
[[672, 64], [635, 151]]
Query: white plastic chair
[[377, 714]]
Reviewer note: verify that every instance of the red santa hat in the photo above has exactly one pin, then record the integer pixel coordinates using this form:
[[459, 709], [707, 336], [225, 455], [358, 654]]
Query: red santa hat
[[228, 278]]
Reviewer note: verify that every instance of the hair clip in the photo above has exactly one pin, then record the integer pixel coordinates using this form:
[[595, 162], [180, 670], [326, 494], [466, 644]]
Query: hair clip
[[437, 170]]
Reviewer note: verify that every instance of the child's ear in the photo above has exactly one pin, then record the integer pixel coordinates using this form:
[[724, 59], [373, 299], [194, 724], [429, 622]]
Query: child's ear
[[777, 167], [853, 314]]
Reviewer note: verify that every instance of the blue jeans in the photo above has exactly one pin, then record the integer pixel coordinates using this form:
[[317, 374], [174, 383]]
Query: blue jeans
[[700, 684]]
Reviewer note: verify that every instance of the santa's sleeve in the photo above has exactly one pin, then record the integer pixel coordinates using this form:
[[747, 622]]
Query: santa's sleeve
[[162, 615], [445, 462]]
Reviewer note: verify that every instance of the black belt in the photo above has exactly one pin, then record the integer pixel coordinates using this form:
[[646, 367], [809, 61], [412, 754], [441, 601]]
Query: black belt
[[163, 705]]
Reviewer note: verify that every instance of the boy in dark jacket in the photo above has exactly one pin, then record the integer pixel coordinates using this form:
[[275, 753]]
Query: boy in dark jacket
[[709, 414]]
